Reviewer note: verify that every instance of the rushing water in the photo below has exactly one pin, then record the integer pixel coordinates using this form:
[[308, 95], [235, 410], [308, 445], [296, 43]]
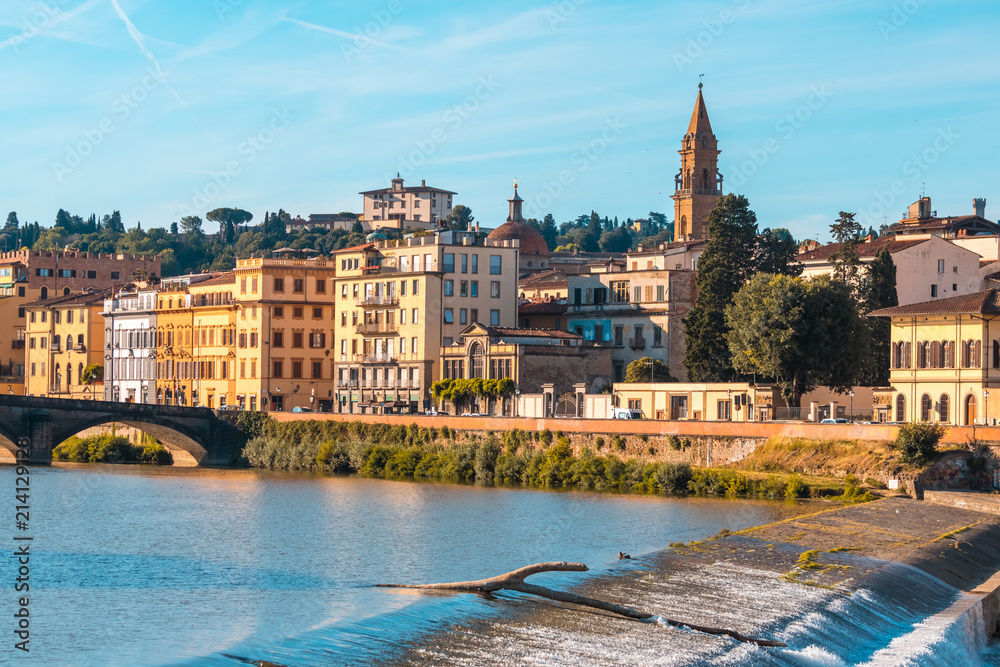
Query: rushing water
[[212, 567]]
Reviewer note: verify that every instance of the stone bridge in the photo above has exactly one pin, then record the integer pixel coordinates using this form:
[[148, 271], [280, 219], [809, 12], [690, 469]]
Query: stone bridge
[[196, 434]]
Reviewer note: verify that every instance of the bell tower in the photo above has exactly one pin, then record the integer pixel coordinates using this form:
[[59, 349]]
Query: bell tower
[[698, 185]]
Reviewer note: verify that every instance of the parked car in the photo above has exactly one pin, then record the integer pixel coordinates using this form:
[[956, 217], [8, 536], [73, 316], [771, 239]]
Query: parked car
[[626, 413], [299, 408], [838, 420]]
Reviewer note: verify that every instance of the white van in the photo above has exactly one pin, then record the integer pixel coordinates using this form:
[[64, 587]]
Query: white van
[[625, 413]]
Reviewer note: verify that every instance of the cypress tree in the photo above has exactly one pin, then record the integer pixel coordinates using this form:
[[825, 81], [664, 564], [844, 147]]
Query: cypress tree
[[724, 267]]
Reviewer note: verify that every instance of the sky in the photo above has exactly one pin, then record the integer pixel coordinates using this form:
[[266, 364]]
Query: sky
[[165, 109]]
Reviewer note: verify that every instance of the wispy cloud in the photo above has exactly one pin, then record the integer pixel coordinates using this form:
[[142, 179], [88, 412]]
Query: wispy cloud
[[344, 34], [140, 41], [56, 18]]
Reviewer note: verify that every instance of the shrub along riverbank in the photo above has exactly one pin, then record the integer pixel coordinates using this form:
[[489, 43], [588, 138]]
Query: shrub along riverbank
[[110, 449], [514, 458]]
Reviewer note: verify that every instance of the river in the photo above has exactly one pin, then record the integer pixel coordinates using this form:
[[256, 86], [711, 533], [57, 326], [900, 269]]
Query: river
[[152, 566]]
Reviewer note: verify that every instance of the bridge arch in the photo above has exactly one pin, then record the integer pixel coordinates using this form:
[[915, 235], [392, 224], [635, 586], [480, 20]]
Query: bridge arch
[[7, 446], [183, 445]]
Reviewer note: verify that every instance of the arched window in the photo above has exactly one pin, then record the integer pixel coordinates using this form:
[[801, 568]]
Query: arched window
[[900, 408], [44, 293], [69, 374], [923, 355], [69, 342], [66, 291], [476, 362], [965, 354], [79, 372], [894, 356], [943, 408], [970, 410], [79, 340], [948, 347], [906, 355], [58, 377], [925, 408]]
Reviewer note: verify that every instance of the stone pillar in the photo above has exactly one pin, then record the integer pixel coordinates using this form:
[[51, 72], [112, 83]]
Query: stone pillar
[[833, 409], [548, 399], [813, 411], [38, 433], [581, 398]]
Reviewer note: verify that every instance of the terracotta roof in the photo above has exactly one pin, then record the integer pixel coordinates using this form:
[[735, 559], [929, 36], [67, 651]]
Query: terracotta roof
[[77, 299], [541, 308], [407, 188], [509, 332], [548, 277], [985, 262], [531, 242], [220, 279], [354, 248], [985, 302], [891, 243]]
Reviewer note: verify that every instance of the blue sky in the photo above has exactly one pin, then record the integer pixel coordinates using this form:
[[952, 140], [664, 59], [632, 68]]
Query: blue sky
[[162, 109]]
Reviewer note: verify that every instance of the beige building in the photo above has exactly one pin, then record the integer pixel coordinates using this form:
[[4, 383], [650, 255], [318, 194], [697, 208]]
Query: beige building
[[64, 335], [927, 266], [945, 361], [635, 313], [399, 302], [401, 207]]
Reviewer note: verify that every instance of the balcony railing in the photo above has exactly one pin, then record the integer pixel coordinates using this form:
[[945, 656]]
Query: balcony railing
[[17, 344], [347, 384], [376, 328], [383, 358], [637, 343], [378, 301], [697, 191]]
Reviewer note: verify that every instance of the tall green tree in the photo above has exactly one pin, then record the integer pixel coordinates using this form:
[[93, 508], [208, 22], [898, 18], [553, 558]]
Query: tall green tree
[[191, 227], [846, 231], [618, 240], [799, 333], [12, 222], [648, 369], [776, 250], [878, 291], [229, 220], [549, 232], [460, 218], [726, 264]]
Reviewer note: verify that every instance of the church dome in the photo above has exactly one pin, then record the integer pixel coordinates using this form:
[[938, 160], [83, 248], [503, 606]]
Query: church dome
[[375, 236], [531, 242]]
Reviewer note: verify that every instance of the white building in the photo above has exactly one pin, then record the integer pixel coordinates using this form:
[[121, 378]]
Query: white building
[[400, 207], [130, 346]]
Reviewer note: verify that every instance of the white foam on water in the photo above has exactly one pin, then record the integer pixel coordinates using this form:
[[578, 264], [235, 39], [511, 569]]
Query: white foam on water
[[813, 656]]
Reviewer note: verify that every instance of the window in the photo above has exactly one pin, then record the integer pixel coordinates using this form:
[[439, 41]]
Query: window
[[940, 270], [637, 294], [619, 291], [276, 369], [354, 318], [618, 371], [463, 316], [416, 288], [278, 339], [414, 320], [463, 287], [495, 289], [724, 409], [449, 287], [449, 262], [933, 291], [279, 312], [253, 285], [296, 339], [317, 313], [619, 335], [657, 336], [317, 370], [343, 318], [465, 263], [317, 340], [44, 273], [474, 315], [900, 408], [67, 273], [449, 316], [279, 284], [943, 408], [925, 406], [496, 265], [475, 263], [635, 404], [321, 286], [475, 288], [253, 339], [297, 312], [402, 316], [659, 292], [298, 285], [115, 275], [343, 291], [413, 346], [494, 318], [296, 369]]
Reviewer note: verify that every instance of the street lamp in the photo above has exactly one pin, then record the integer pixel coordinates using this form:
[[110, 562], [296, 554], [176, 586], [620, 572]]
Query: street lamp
[[649, 362], [986, 406], [729, 405], [851, 394]]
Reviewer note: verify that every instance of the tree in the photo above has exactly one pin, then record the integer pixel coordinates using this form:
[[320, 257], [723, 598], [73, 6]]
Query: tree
[[726, 264], [191, 227], [229, 220], [92, 373], [640, 371], [549, 232], [917, 442], [617, 240], [460, 218], [776, 249], [878, 291], [800, 333], [12, 222], [847, 232]]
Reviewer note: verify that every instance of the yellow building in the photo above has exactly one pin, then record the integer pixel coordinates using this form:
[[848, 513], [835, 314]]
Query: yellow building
[[945, 361], [64, 336], [285, 334], [399, 302]]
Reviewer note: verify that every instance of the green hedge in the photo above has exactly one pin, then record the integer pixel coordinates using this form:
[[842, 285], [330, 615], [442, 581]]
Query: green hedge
[[110, 449]]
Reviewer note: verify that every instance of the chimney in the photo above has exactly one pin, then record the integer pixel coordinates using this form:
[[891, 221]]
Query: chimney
[[423, 183], [979, 205]]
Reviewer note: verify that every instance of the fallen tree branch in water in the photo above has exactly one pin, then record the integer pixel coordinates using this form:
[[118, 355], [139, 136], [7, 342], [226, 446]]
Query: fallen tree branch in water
[[514, 581]]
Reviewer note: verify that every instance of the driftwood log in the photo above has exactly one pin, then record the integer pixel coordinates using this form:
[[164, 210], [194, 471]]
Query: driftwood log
[[514, 581]]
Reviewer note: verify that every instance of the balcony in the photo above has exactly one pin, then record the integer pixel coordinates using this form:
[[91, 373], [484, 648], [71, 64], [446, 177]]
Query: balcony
[[347, 384], [374, 270], [696, 191], [637, 343], [376, 328], [382, 358], [17, 344], [380, 301]]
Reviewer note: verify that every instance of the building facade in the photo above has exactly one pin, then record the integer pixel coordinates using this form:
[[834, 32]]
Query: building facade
[[65, 335], [401, 207], [130, 346], [399, 302]]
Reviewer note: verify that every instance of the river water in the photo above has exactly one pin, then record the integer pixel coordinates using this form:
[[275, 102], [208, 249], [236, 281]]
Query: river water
[[135, 565]]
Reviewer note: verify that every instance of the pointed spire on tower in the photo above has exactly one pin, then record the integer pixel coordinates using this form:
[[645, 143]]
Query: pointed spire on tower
[[699, 117]]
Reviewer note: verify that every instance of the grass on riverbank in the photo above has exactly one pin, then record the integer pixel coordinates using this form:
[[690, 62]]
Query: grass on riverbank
[[515, 458]]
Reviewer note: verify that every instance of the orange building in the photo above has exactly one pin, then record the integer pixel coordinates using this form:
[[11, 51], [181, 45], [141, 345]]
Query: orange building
[[698, 185]]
